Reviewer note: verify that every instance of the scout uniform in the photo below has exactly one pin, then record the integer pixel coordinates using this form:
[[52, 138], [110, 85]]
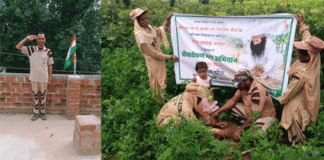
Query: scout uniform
[[149, 41], [39, 61], [256, 98], [302, 97], [185, 104]]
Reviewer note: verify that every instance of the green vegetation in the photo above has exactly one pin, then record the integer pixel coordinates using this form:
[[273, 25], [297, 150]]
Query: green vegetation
[[129, 110], [59, 20]]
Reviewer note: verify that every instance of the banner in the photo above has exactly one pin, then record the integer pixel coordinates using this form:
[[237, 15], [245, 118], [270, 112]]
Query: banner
[[263, 44]]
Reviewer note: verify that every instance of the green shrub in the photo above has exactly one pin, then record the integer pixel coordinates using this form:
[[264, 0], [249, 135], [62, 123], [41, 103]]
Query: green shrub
[[129, 110]]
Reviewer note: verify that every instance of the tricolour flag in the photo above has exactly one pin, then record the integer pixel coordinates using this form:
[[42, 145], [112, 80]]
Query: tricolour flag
[[71, 56]]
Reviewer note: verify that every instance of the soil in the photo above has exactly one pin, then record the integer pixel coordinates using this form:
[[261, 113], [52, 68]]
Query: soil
[[232, 128]]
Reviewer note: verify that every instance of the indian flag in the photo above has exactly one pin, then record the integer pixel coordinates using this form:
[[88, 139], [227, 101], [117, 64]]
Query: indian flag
[[71, 56]]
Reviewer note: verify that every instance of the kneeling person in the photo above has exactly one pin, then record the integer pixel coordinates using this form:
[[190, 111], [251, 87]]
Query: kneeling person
[[255, 98], [187, 104]]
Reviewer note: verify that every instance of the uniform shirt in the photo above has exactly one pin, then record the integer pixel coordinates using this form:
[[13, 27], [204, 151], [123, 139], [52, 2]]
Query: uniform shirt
[[39, 61], [155, 61], [293, 98], [257, 99]]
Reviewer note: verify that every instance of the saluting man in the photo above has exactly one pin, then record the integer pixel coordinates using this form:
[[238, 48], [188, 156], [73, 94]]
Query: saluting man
[[41, 60]]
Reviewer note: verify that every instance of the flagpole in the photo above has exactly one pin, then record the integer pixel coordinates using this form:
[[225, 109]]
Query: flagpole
[[75, 66]]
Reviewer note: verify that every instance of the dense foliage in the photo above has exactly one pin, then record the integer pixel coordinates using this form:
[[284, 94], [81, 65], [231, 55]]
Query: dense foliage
[[59, 20], [129, 110]]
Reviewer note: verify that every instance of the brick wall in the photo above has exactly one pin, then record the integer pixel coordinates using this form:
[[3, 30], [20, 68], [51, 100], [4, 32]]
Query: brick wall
[[68, 95]]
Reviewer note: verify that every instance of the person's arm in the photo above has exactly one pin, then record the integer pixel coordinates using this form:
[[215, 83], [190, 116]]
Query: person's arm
[[248, 57], [50, 74], [151, 51], [166, 24], [238, 133], [303, 29], [228, 105], [194, 79], [271, 54], [212, 92], [296, 84], [50, 62], [22, 42]]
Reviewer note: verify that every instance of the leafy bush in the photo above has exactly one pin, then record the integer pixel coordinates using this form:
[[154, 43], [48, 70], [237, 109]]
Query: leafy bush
[[204, 1], [129, 110]]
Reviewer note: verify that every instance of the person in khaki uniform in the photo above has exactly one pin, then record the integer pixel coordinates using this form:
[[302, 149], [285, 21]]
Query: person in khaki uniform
[[255, 98], [302, 97], [41, 60], [148, 39], [188, 104]]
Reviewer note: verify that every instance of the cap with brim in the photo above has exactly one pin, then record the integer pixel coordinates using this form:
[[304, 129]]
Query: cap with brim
[[136, 12], [312, 44], [238, 79], [240, 76]]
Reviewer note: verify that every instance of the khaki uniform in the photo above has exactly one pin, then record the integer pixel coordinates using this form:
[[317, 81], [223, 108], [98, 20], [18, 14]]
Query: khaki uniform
[[39, 61], [185, 104], [155, 61], [296, 115], [256, 99]]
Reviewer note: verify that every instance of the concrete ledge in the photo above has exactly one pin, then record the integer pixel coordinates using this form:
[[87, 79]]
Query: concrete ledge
[[87, 134]]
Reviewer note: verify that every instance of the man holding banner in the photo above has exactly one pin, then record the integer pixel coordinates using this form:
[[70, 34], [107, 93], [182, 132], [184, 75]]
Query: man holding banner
[[41, 60], [149, 39], [302, 97]]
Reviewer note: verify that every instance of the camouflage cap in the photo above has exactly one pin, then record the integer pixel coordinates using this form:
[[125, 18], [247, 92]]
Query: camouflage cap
[[240, 76]]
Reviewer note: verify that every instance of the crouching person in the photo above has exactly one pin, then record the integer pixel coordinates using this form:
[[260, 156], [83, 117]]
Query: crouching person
[[187, 104], [255, 99]]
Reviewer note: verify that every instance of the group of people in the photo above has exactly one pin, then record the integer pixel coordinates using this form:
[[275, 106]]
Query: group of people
[[300, 100]]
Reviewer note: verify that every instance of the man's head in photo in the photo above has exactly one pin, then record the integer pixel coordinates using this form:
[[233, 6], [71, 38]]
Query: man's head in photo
[[258, 45]]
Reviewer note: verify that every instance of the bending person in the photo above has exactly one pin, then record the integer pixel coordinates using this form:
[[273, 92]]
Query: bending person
[[148, 39], [302, 97], [187, 104], [255, 98]]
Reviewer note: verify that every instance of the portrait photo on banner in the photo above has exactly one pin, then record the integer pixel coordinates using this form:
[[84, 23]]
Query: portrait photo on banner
[[261, 44]]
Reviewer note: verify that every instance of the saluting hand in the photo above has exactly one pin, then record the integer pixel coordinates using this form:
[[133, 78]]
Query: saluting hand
[[31, 37]]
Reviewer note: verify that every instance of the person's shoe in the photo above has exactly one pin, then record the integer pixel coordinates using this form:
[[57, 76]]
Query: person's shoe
[[35, 117], [42, 116]]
